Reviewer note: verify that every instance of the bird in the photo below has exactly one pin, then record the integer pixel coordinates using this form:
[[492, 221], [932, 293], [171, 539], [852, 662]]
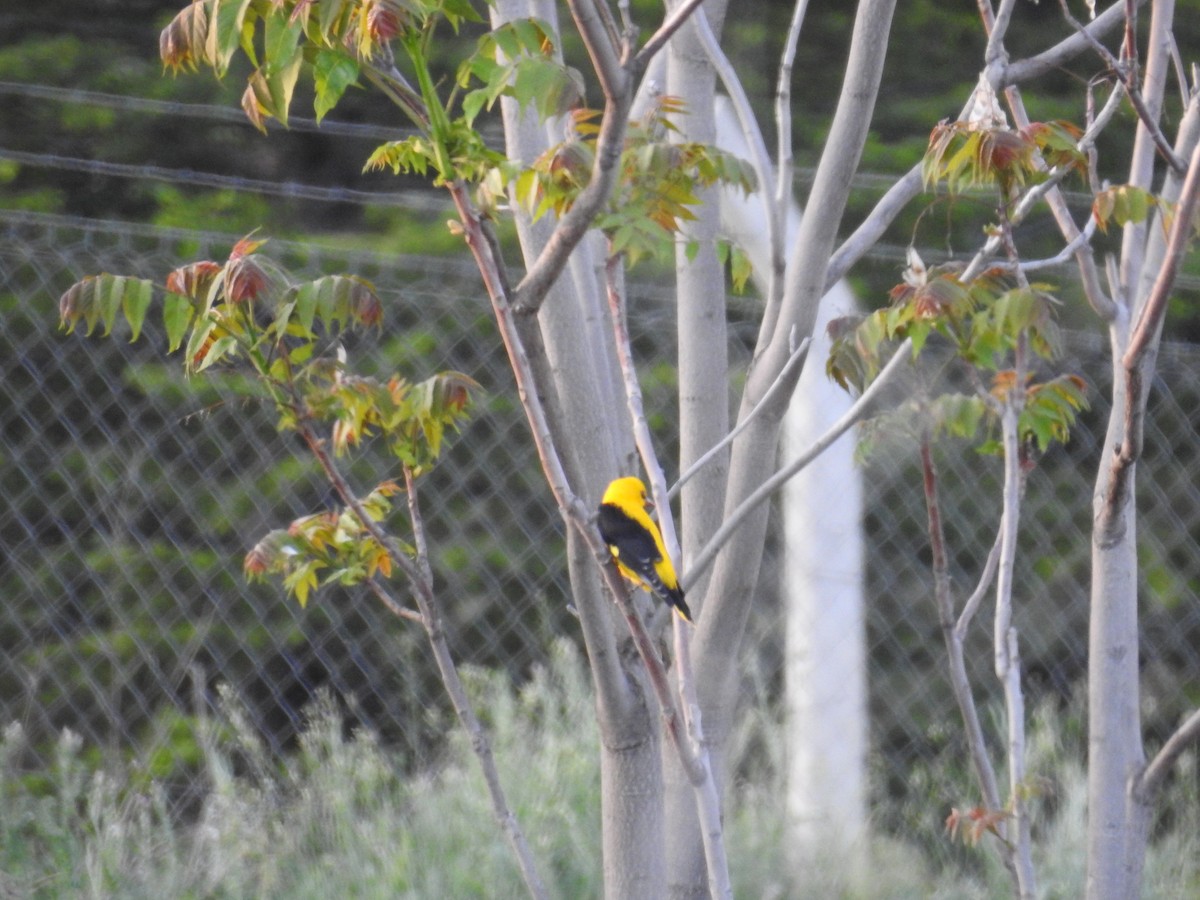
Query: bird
[[636, 544]]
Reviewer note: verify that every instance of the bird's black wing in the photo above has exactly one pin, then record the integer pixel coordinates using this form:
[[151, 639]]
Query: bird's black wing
[[636, 549], [633, 545]]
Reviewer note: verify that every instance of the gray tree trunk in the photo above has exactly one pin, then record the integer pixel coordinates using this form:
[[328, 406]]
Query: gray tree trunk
[[577, 344], [1118, 817], [703, 400]]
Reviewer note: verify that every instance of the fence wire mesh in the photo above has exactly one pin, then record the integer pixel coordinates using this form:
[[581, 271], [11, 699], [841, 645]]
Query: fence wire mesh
[[130, 496]]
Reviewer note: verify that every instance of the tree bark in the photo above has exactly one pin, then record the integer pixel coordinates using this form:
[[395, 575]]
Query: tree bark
[[703, 400], [1118, 816], [575, 339], [735, 575]]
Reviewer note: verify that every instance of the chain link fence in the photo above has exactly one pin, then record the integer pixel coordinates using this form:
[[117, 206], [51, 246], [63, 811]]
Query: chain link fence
[[129, 497]]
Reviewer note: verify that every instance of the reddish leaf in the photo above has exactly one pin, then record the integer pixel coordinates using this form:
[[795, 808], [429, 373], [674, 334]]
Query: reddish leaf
[[194, 280], [182, 43], [251, 106], [383, 18], [245, 280]]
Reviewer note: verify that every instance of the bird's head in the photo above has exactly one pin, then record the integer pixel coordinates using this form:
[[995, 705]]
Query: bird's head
[[628, 490]]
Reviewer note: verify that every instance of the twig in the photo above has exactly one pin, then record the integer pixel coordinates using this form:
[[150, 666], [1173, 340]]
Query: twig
[[421, 580], [1151, 779], [602, 50], [1065, 50], [995, 46], [859, 409], [396, 88], [1064, 255], [617, 79], [871, 229], [952, 633], [1145, 334], [669, 26], [458, 696], [402, 612], [1007, 658], [1127, 73], [783, 119], [985, 581], [782, 379], [697, 761]]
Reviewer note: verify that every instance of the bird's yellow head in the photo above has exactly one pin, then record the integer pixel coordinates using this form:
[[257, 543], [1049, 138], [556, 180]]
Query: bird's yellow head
[[628, 491]]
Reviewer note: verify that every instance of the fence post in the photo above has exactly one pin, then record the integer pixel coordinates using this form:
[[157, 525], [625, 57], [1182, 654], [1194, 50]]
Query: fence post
[[825, 655], [825, 647]]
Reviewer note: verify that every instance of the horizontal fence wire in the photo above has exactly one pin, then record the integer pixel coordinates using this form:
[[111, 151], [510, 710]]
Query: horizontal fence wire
[[131, 494]]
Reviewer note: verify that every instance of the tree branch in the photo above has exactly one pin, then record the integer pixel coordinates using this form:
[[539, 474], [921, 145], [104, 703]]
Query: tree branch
[[761, 162], [995, 52], [953, 635], [462, 706], [396, 88], [1145, 334], [420, 579], [602, 51], [1007, 657], [1126, 73], [1155, 773], [805, 277], [856, 412], [696, 761], [781, 380], [985, 581], [1063, 52], [783, 121], [577, 220], [871, 229], [382, 595], [658, 40]]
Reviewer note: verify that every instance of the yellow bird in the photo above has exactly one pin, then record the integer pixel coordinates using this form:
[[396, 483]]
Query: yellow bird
[[636, 544]]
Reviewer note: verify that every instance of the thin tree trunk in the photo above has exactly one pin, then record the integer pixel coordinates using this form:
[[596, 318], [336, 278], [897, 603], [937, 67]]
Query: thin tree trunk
[[703, 405], [1118, 816], [574, 329], [1116, 829]]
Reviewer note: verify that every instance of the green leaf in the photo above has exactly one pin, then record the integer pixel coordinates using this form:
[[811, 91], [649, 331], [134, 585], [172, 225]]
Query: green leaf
[[333, 73], [108, 299], [197, 341], [958, 415], [303, 580], [220, 348], [135, 301], [740, 270], [334, 16], [99, 298], [281, 63], [177, 316], [225, 32]]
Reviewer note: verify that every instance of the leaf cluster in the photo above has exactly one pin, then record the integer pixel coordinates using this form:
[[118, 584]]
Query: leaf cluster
[[659, 178], [965, 156], [519, 60], [411, 418], [245, 310], [331, 39], [331, 547], [983, 323]]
